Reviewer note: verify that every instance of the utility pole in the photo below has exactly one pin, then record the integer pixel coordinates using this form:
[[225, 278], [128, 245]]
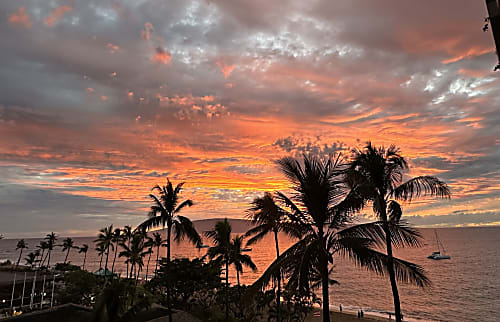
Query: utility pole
[[13, 289], [43, 292], [24, 286]]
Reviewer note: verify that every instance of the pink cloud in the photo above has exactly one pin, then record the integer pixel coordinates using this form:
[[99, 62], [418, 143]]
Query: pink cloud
[[225, 69], [56, 15], [21, 18], [161, 56]]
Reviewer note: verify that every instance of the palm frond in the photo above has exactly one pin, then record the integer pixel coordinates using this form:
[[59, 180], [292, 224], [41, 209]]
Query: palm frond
[[359, 250], [423, 185]]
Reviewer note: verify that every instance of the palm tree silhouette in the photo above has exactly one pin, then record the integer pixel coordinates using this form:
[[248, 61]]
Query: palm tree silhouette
[[221, 251], [105, 239], [21, 245], [378, 173], [51, 243], [135, 253], [43, 246], [321, 210], [127, 234], [157, 241], [165, 212], [269, 218], [117, 238], [31, 259], [84, 249], [100, 249], [67, 245], [238, 259]]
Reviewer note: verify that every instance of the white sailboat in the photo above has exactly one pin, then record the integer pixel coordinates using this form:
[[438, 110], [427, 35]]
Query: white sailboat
[[438, 255]]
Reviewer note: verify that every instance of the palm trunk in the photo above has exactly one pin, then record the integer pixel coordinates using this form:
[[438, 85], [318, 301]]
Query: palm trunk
[[169, 301], [147, 266], [324, 289], [19, 259], [278, 293], [84, 259], [114, 259], [100, 262], [41, 259], [392, 275], [106, 267], [157, 256], [227, 290], [128, 245], [67, 253], [48, 261]]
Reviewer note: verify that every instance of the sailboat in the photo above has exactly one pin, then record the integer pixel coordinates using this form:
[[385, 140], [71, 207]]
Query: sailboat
[[437, 255]]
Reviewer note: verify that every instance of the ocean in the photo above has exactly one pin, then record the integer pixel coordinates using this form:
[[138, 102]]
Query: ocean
[[464, 288]]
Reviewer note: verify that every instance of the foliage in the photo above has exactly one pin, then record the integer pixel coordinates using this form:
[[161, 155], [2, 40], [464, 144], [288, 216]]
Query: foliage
[[66, 267], [79, 287], [187, 279], [120, 301]]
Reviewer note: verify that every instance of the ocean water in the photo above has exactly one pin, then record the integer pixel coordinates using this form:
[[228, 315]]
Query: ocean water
[[465, 288]]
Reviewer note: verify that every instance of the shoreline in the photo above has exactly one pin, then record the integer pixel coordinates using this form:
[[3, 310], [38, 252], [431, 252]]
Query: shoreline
[[346, 316]]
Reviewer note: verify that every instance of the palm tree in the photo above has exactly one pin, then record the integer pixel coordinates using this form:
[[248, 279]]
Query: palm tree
[[20, 245], [100, 249], [165, 212], [135, 253], [157, 241], [378, 173], [321, 210], [67, 245], [238, 259], [268, 217], [117, 237], [105, 239], [221, 251], [127, 234], [51, 243], [43, 246], [31, 259], [84, 249]]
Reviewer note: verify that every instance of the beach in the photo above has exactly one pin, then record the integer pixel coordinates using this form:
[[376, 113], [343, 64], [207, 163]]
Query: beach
[[343, 317]]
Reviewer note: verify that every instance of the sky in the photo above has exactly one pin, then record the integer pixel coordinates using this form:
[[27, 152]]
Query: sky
[[102, 100]]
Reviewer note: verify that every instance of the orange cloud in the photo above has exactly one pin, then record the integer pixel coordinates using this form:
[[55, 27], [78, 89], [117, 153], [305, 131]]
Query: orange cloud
[[56, 14], [21, 18], [225, 69], [161, 56]]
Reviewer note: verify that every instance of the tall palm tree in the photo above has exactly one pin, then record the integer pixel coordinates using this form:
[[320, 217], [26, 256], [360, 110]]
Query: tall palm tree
[[105, 238], [157, 241], [101, 250], [135, 254], [67, 245], [43, 246], [268, 218], [21, 245], [117, 238], [238, 259], [51, 243], [127, 234], [31, 259], [165, 213], [321, 209], [379, 175], [221, 251], [84, 249], [149, 244]]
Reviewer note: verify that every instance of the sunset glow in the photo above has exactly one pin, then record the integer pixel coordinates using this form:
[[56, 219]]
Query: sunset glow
[[100, 101]]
